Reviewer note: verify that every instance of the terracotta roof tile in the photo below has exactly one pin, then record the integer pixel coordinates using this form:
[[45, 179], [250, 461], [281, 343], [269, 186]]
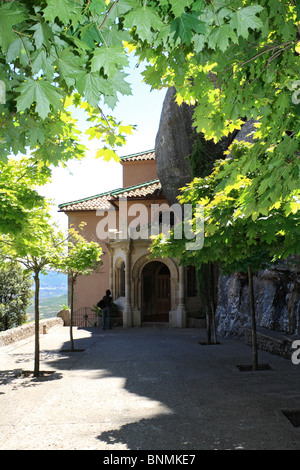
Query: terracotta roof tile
[[148, 155]]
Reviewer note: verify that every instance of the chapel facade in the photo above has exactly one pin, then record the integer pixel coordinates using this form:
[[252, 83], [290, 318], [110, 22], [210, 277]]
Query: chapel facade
[[122, 221]]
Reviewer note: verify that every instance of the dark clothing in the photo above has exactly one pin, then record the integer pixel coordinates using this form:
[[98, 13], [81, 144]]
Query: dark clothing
[[106, 312], [107, 300]]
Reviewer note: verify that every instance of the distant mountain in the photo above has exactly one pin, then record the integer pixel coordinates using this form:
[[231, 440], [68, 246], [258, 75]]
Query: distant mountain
[[53, 284], [53, 294]]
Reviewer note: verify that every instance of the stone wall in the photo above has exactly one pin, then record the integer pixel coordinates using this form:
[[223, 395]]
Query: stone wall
[[25, 331], [274, 342], [65, 316], [277, 301]]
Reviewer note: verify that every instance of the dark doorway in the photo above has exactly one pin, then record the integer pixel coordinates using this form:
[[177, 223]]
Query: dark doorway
[[156, 294]]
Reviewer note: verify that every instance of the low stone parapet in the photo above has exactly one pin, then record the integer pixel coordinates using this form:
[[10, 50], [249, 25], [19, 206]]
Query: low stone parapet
[[25, 331], [65, 314], [196, 322], [274, 342]]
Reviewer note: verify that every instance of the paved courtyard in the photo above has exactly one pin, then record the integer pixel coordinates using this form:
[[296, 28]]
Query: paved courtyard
[[145, 388]]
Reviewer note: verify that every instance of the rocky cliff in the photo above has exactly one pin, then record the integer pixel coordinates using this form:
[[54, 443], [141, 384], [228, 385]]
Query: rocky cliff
[[277, 290], [173, 144], [277, 300]]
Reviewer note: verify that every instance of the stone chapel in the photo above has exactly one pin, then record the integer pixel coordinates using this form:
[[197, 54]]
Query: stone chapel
[[146, 291]]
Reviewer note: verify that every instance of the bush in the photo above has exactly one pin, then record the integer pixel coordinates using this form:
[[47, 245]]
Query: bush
[[114, 310], [15, 295]]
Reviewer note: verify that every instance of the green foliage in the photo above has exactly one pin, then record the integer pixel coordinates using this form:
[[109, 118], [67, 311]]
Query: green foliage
[[82, 257], [232, 61], [204, 155], [243, 64], [18, 193], [114, 310], [50, 52], [231, 239], [15, 295]]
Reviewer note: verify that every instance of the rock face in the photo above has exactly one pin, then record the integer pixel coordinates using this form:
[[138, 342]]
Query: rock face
[[173, 144], [277, 301]]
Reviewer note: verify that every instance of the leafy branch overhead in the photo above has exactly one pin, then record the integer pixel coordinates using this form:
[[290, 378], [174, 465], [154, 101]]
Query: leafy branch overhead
[[52, 52], [233, 60]]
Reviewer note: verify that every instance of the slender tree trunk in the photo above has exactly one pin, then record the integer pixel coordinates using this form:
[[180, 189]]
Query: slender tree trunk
[[37, 326], [208, 302], [212, 300], [208, 326], [71, 316], [253, 321], [213, 321]]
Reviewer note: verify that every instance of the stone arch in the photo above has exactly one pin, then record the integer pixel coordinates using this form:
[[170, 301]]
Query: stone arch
[[136, 276], [118, 261], [119, 276], [143, 260], [156, 292]]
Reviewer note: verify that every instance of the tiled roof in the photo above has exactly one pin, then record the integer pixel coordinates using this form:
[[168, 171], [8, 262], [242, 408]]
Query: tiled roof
[[148, 155], [102, 201]]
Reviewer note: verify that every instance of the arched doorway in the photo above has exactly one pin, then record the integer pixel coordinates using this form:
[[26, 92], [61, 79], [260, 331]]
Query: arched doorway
[[156, 292]]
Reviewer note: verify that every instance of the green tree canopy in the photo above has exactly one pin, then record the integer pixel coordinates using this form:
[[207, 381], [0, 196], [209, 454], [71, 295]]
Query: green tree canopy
[[81, 258], [15, 295], [230, 237], [37, 248], [55, 55], [233, 60], [19, 182]]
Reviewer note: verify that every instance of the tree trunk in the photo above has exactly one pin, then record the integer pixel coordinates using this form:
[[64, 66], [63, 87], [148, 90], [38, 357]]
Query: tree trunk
[[213, 317], [37, 326], [253, 321], [71, 316], [208, 327], [212, 300]]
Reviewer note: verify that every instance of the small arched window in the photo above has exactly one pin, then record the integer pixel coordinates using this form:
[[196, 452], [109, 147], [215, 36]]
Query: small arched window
[[166, 218], [122, 279], [191, 281]]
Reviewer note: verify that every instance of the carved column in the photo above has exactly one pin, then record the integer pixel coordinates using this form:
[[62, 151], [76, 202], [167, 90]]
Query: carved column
[[111, 269], [127, 312]]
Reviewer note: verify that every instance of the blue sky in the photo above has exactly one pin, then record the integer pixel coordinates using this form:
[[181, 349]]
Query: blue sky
[[93, 176]]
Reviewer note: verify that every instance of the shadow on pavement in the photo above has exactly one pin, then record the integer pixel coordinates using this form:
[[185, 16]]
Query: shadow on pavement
[[159, 389]]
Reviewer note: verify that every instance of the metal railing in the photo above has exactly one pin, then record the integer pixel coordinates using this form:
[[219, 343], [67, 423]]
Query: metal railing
[[84, 317]]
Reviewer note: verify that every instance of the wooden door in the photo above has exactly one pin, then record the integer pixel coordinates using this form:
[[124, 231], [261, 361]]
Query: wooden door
[[163, 297]]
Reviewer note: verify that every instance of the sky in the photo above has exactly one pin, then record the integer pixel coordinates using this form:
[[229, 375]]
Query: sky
[[92, 176]]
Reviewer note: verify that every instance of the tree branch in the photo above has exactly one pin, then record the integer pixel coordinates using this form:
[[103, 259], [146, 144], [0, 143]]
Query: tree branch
[[108, 13]]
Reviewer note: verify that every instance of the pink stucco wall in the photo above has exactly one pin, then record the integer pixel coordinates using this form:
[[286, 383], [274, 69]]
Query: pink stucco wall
[[138, 172], [89, 289]]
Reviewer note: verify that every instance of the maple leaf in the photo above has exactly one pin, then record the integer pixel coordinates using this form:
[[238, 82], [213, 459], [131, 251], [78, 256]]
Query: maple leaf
[[64, 10], [186, 25], [10, 15], [245, 18], [70, 66], [119, 83], [92, 86], [42, 34], [40, 92], [178, 6], [110, 58], [220, 37], [107, 154], [145, 20]]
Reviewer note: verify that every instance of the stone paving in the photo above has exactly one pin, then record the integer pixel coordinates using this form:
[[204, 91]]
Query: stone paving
[[147, 389]]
